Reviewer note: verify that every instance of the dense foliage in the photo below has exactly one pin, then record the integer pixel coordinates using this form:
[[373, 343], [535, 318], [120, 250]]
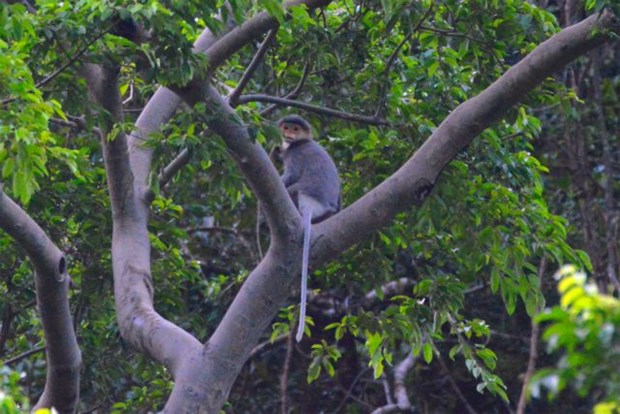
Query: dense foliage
[[453, 282]]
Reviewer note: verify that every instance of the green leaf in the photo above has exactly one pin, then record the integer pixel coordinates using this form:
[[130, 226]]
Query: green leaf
[[427, 352]]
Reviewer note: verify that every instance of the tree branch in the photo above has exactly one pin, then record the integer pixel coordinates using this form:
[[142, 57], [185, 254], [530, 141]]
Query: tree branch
[[400, 389], [400, 376], [24, 355], [392, 58], [62, 385], [254, 162], [371, 120], [247, 75], [292, 94], [455, 386], [412, 183], [531, 368], [213, 370], [285, 373], [62, 67], [531, 363], [139, 323], [174, 167], [250, 30]]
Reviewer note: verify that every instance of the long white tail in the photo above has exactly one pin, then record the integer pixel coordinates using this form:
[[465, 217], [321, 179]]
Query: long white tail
[[307, 219]]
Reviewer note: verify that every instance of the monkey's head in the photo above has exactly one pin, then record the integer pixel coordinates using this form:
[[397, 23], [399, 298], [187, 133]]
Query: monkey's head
[[294, 128]]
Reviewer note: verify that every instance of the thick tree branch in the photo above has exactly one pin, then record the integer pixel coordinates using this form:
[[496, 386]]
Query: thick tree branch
[[133, 288], [103, 89], [52, 284], [213, 370], [411, 184], [402, 405], [400, 377], [159, 109], [252, 159], [370, 120]]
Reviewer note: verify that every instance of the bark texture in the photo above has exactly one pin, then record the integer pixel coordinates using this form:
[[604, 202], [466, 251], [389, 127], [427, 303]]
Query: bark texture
[[62, 385], [204, 373], [267, 288]]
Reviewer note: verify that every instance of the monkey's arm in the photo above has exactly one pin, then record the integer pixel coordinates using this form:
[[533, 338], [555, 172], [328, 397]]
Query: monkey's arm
[[290, 177]]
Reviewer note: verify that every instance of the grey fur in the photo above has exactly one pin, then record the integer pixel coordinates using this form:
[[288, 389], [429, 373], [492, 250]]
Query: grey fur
[[312, 180]]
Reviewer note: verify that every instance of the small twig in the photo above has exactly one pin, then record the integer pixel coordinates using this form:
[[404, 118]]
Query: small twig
[[392, 58], [260, 348], [130, 97], [455, 33], [531, 363], [64, 66], [371, 120], [285, 373], [214, 229], [24, 355], [174, 167], [292, 94], [234, 95], [531, 367], [454, 385], [348, 392], [92, 409], [386, 390]]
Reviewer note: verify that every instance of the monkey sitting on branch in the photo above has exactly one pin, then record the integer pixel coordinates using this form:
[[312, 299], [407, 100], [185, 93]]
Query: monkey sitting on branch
[[312, 180]]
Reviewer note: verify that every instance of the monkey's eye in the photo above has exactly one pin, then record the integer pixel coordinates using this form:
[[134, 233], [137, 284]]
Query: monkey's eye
[[295, 129]]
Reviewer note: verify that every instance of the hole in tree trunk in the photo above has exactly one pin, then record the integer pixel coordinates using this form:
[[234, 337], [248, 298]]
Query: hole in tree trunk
[[62, 266]]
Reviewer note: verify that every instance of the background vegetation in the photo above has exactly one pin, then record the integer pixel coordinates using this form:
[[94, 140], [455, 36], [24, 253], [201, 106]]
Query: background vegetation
[[439, 304]]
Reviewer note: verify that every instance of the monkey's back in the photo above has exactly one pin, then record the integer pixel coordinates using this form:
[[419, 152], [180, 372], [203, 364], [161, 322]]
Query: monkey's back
[[318, 175]]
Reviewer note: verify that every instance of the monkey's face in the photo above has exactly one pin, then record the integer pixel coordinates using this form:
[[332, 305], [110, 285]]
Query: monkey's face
[[293, 132]]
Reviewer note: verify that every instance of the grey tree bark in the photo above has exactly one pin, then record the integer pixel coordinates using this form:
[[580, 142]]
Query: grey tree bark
[[62, 385], [205, 372]]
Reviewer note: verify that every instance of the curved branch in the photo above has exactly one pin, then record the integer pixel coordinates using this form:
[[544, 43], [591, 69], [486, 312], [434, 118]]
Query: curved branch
[[211, 372], [254, 162], [370, 120], [139, 323], [62, 385], [411, 184], [250, 30]]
